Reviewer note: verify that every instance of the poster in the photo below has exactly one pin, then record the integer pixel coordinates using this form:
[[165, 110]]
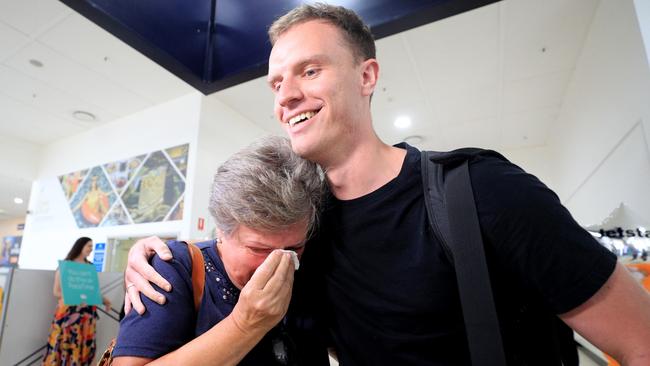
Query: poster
[[154, 191], [70, 182], [93, 199], [178, 155], [10, 250], [79, 283], [120, 172], [141, 189]]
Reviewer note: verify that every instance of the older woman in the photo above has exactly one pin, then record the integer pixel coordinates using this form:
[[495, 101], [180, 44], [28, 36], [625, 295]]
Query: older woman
[[264, 198]]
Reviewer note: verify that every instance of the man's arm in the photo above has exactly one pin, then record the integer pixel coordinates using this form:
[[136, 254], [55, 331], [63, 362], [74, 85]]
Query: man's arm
[[616, 319]]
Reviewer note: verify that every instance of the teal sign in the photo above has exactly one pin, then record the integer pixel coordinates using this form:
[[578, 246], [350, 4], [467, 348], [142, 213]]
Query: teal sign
[[79, 283]]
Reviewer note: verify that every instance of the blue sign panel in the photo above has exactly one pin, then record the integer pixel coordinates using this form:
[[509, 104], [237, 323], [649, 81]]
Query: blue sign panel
[[98, 258]]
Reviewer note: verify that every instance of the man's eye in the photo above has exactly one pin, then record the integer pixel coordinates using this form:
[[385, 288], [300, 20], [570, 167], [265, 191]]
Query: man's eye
[[310, 72]]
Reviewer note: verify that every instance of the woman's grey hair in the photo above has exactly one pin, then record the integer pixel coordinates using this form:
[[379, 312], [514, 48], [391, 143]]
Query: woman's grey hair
[[267, 187], [355, 32]]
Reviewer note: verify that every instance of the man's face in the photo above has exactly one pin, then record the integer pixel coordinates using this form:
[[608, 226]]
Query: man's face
[[318, 87], [246, 248]]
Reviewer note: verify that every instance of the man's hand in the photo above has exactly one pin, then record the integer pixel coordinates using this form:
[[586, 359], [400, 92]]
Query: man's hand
[[139, 273], [265, 298]]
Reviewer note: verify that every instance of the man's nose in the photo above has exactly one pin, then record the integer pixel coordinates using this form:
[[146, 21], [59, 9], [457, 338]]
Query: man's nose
[[289, 93]]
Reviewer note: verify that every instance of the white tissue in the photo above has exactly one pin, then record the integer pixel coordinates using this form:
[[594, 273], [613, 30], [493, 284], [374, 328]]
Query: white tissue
[[294, 257]]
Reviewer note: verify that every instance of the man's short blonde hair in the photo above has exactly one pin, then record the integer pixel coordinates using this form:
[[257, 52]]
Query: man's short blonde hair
[[355, 32]]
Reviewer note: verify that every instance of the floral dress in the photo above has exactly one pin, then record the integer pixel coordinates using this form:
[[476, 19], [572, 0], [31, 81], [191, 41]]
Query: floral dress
[[72, 336]]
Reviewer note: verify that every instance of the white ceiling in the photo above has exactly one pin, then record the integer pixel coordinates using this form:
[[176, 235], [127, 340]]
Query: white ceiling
[[84, 68], [494, 77]]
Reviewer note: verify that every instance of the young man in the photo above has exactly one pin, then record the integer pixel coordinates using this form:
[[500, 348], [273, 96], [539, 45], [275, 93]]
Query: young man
[[389, 292]]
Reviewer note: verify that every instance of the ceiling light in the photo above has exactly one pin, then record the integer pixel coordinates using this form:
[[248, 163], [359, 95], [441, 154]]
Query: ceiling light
[[36, 63], [402, 122], [84, 116], [18, 200]]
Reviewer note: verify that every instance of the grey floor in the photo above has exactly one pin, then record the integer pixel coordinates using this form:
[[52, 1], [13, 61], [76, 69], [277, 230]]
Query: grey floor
[[584, 360]]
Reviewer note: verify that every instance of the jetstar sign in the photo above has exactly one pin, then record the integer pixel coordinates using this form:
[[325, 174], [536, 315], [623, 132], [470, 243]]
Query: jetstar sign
[[620, 233]]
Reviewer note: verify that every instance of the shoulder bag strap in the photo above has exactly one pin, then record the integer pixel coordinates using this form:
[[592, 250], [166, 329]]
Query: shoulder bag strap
[[198, 274], [472, 276]]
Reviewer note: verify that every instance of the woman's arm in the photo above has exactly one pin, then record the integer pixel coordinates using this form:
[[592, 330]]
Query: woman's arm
[[224, 344], [56, 290], [262, 304]]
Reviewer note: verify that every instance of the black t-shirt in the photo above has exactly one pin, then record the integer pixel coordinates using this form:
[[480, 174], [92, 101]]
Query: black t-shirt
[[390, 291]]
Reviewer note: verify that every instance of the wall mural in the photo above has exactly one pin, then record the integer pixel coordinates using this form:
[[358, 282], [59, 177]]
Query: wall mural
[[141, 189]]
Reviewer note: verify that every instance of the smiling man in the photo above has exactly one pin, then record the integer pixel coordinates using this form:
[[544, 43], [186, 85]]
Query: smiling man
[[387, 289]]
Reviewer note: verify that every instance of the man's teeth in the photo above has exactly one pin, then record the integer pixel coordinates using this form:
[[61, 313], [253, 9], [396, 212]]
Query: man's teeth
[[301, 117]]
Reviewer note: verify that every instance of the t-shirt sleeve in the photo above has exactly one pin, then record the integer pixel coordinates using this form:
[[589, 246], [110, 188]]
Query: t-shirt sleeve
[[162, 328], [535, 237]]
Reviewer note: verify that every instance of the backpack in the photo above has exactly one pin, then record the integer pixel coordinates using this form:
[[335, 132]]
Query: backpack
[[452, 216]]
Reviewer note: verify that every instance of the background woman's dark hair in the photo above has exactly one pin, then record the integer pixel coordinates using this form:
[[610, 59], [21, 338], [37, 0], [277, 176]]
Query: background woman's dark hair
[[77, 248]]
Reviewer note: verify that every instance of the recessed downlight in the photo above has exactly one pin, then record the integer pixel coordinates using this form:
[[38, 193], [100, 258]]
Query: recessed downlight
[[18, 200], [36, 63], [84, 116], [402, 122]]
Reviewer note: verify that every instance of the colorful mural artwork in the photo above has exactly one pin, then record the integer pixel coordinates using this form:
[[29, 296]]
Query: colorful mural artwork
[[70, 182], [120, 172], [155, 190], [93, 199], [141, 189]]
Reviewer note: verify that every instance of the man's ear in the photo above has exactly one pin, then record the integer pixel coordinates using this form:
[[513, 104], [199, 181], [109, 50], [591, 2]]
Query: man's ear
[[369, 76]]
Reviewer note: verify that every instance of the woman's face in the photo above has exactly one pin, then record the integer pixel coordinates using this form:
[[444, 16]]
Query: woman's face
[[246, 248], [87, 249]]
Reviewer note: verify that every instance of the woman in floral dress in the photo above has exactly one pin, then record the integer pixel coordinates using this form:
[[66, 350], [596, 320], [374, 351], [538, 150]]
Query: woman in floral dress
[[72, 334]]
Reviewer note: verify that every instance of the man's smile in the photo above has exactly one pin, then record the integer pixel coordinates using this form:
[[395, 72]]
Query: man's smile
[[302, 117]]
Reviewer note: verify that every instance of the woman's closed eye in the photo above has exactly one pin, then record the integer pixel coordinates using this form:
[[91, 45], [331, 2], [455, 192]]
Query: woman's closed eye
[[260, 251]]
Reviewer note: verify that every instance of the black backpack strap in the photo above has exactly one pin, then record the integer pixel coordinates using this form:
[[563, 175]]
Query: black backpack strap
[[452, 215]]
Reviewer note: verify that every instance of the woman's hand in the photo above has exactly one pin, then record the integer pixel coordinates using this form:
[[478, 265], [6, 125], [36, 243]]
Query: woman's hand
[[139, 273], [264, 300], [107, 304]]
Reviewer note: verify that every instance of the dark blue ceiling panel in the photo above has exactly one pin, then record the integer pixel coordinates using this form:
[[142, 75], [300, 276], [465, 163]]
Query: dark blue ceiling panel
[[214, 44]]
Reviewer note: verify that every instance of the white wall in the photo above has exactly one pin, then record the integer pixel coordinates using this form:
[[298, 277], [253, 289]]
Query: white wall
[[214, 132], [598, 151], [10, 227], [534, 160], [21, 158], [222, 132], [50, 230]]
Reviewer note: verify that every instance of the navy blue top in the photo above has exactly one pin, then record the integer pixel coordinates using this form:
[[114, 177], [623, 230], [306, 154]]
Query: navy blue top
[[164, 328]]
